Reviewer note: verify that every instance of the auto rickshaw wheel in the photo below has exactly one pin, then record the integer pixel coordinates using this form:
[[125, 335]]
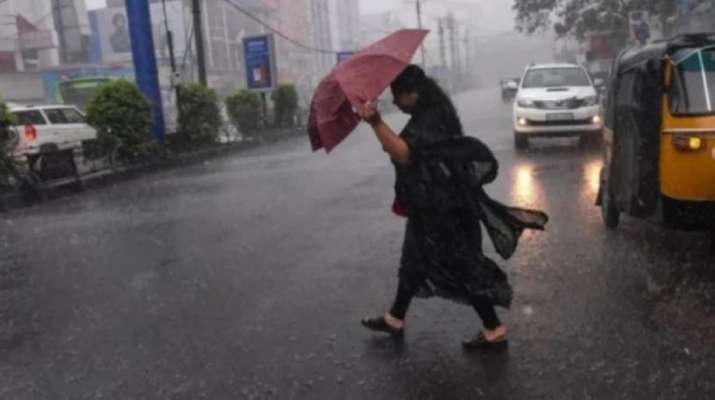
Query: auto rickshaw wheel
[[609, 212]]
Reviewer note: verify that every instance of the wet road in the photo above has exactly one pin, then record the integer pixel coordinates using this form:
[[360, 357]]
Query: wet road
[[246, 276]]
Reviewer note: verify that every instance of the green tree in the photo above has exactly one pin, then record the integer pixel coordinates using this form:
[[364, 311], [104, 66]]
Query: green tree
[[199, 114], [285, 99], [122, 117], [7, 164], [575, 18], [244, 110]]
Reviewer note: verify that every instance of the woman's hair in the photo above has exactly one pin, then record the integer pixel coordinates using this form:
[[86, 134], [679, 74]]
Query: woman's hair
[[429, 95]]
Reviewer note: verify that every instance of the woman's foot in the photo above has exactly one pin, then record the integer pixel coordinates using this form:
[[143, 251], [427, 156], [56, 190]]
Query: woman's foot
[[386, 323], [488, 340]]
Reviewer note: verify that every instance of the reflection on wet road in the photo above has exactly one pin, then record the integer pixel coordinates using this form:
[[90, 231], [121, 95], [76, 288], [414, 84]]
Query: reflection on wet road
[[245, 277], [527, 179], [523, 187]]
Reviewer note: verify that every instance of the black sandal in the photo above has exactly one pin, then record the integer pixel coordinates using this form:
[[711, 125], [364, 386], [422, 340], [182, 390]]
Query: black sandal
[[480, 342], [379, 324]]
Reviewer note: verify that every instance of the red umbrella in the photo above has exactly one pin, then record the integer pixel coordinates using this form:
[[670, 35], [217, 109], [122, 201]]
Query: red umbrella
[[354, 82]]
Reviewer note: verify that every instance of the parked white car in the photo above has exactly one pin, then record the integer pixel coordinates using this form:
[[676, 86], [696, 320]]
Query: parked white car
[[59, 125], [556, 100], [49, 137]]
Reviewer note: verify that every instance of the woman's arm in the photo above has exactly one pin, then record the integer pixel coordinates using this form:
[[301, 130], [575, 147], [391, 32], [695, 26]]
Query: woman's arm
[[391, 142]]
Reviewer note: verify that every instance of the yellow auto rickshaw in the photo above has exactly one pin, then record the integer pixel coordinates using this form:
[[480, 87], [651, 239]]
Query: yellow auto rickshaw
[[660, 134]]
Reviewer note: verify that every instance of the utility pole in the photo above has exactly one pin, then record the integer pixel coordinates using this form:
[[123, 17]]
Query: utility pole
[[467, 55], [442, 50], [452, 42], [58, 8], [199, 35], [458, 49], [418, 4], [172, 59]]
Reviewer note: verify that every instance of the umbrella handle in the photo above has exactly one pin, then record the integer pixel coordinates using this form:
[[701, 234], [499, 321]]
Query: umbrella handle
[[361, 103]]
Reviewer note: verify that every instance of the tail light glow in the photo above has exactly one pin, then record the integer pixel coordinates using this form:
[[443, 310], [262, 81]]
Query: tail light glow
[[30, 133]]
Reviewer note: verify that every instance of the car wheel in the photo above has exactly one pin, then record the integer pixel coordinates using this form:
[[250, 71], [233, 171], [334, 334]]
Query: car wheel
[[521, 142], [609, 212]]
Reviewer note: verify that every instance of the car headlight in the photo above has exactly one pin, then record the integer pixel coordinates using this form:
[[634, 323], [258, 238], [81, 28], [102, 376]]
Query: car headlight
[[590, 101], [525, 103]]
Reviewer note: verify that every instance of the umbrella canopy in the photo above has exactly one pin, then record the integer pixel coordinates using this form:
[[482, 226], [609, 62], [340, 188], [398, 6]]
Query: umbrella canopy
[[356, 81]]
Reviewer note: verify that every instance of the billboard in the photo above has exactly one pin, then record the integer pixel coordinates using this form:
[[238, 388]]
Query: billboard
[[111, 32], [32, 38], [260, 58]]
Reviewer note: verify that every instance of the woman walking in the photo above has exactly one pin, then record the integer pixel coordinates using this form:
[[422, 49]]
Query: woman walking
[[439, 178]]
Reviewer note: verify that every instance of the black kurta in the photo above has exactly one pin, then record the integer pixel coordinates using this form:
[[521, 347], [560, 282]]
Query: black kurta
[[441, 189]]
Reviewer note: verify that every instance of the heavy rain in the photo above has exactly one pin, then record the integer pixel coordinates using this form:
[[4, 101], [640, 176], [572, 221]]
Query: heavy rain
[[357, 199]]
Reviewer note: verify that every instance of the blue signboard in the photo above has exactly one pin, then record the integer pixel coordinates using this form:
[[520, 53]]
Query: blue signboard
[[344, 56], [259, 56]]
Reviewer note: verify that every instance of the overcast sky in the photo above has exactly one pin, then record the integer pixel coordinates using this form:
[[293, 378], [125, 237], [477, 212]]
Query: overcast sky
[[483, 16]]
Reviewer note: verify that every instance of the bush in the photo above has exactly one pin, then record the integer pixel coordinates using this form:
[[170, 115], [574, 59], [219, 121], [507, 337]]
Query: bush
[[6, 118], [199, 114], [285, 100], [244, 109], [122, 117], [7, 164]]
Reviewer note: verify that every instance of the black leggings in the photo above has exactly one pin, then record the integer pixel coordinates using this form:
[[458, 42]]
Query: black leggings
[[483, 306]]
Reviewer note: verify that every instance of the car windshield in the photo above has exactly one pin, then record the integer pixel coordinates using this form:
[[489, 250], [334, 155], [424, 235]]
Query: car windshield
[[29, 117], [64, 116], [555, 77], [693, 87]]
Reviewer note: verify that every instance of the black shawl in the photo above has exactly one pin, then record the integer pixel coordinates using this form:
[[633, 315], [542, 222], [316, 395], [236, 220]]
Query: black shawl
[[442, 190]]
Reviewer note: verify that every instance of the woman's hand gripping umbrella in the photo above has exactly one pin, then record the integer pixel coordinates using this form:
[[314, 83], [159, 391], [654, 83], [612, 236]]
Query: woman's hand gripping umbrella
[[350, 85]]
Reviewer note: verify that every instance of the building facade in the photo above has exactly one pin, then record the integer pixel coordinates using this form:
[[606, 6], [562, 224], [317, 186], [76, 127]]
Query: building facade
[[374, 27], [322, 35], [345, 24], [38, 34]]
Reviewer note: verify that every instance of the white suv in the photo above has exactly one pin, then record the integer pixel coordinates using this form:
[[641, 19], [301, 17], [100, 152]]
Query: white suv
[[48, 138], [556, 100]]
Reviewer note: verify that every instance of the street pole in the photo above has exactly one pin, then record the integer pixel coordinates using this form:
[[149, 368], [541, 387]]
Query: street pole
[[170, 46], [452, 41], [418, 4], [199, 36], [172, 59], [144, 56], [458, 49], [442, 50], [466, 49], [58, 8]]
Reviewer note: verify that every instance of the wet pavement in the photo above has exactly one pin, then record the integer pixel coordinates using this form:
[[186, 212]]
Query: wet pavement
[[245, 277]]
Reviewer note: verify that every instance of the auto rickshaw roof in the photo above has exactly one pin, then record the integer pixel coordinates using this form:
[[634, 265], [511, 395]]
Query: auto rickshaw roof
[[657, 50]]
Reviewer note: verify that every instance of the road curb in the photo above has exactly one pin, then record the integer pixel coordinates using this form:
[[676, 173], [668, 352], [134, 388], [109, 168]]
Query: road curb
[[103, 178]]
